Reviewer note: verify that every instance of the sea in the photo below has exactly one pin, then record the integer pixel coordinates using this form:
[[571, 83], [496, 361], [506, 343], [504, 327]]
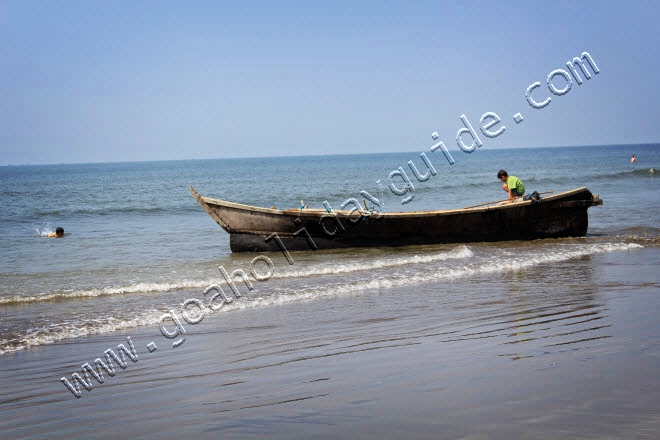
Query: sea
[[435, 341]]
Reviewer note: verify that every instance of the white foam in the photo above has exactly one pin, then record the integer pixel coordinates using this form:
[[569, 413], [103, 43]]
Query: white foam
[[120, 290], [54, 333], [359, 266], [328, 269], [442, 273]]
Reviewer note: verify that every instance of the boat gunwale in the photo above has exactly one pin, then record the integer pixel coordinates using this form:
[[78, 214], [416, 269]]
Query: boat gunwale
[[316, 212]]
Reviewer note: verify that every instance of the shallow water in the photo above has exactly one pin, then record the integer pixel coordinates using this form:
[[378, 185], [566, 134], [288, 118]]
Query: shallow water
[[136, 240], [560, 349]]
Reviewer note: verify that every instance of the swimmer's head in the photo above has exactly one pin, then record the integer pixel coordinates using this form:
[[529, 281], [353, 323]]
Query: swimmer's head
[[59, 232]]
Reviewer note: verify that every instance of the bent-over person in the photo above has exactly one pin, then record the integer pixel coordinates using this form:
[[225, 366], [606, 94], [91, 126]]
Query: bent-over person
[[512, 185]]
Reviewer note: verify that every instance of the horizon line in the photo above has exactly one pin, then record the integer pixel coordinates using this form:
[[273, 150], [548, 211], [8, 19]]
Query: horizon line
[[309, 155]]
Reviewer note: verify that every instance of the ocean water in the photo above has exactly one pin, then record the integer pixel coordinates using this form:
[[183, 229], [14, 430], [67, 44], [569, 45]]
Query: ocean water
[[138, 245], [521, 339]]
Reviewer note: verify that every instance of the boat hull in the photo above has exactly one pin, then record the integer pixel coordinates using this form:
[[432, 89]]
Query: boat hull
[[254, 229]]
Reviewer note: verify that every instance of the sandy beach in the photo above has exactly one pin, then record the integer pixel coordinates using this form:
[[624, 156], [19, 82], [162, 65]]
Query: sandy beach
[[561, 350]]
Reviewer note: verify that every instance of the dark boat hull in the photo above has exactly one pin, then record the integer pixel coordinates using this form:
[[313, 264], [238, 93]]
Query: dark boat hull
[[254, 229]]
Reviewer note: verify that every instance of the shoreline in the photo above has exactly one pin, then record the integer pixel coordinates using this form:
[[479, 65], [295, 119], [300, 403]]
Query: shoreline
[[561, 349], [309, 278]]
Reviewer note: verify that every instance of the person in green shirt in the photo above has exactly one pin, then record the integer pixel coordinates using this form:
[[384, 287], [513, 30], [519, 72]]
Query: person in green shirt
[[512, 185]]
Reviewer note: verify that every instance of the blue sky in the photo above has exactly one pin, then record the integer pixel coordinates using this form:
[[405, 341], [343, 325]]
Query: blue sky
[[142, 80]]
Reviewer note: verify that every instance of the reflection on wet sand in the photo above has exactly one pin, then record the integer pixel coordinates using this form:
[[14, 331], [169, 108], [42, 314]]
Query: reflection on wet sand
[[565, 349]]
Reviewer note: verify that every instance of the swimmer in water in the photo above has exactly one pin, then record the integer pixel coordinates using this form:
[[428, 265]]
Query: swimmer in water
[[59, 233], [633, 159]]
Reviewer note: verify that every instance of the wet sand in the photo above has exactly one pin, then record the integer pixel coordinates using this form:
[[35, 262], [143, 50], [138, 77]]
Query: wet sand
[[560, 350]]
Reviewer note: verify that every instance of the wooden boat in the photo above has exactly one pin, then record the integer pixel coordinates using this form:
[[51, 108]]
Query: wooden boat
[[255, 229]]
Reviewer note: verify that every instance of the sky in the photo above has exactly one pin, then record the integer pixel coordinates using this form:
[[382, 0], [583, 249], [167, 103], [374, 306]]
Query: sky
[[164, 80]]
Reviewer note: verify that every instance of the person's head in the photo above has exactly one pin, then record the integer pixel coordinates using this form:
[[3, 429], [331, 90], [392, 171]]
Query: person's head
[[59, 232], [502, 175], [633, 156]]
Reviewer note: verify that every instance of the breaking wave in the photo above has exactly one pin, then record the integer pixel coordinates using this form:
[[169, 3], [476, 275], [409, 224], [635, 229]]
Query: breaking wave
[[420, 273]]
